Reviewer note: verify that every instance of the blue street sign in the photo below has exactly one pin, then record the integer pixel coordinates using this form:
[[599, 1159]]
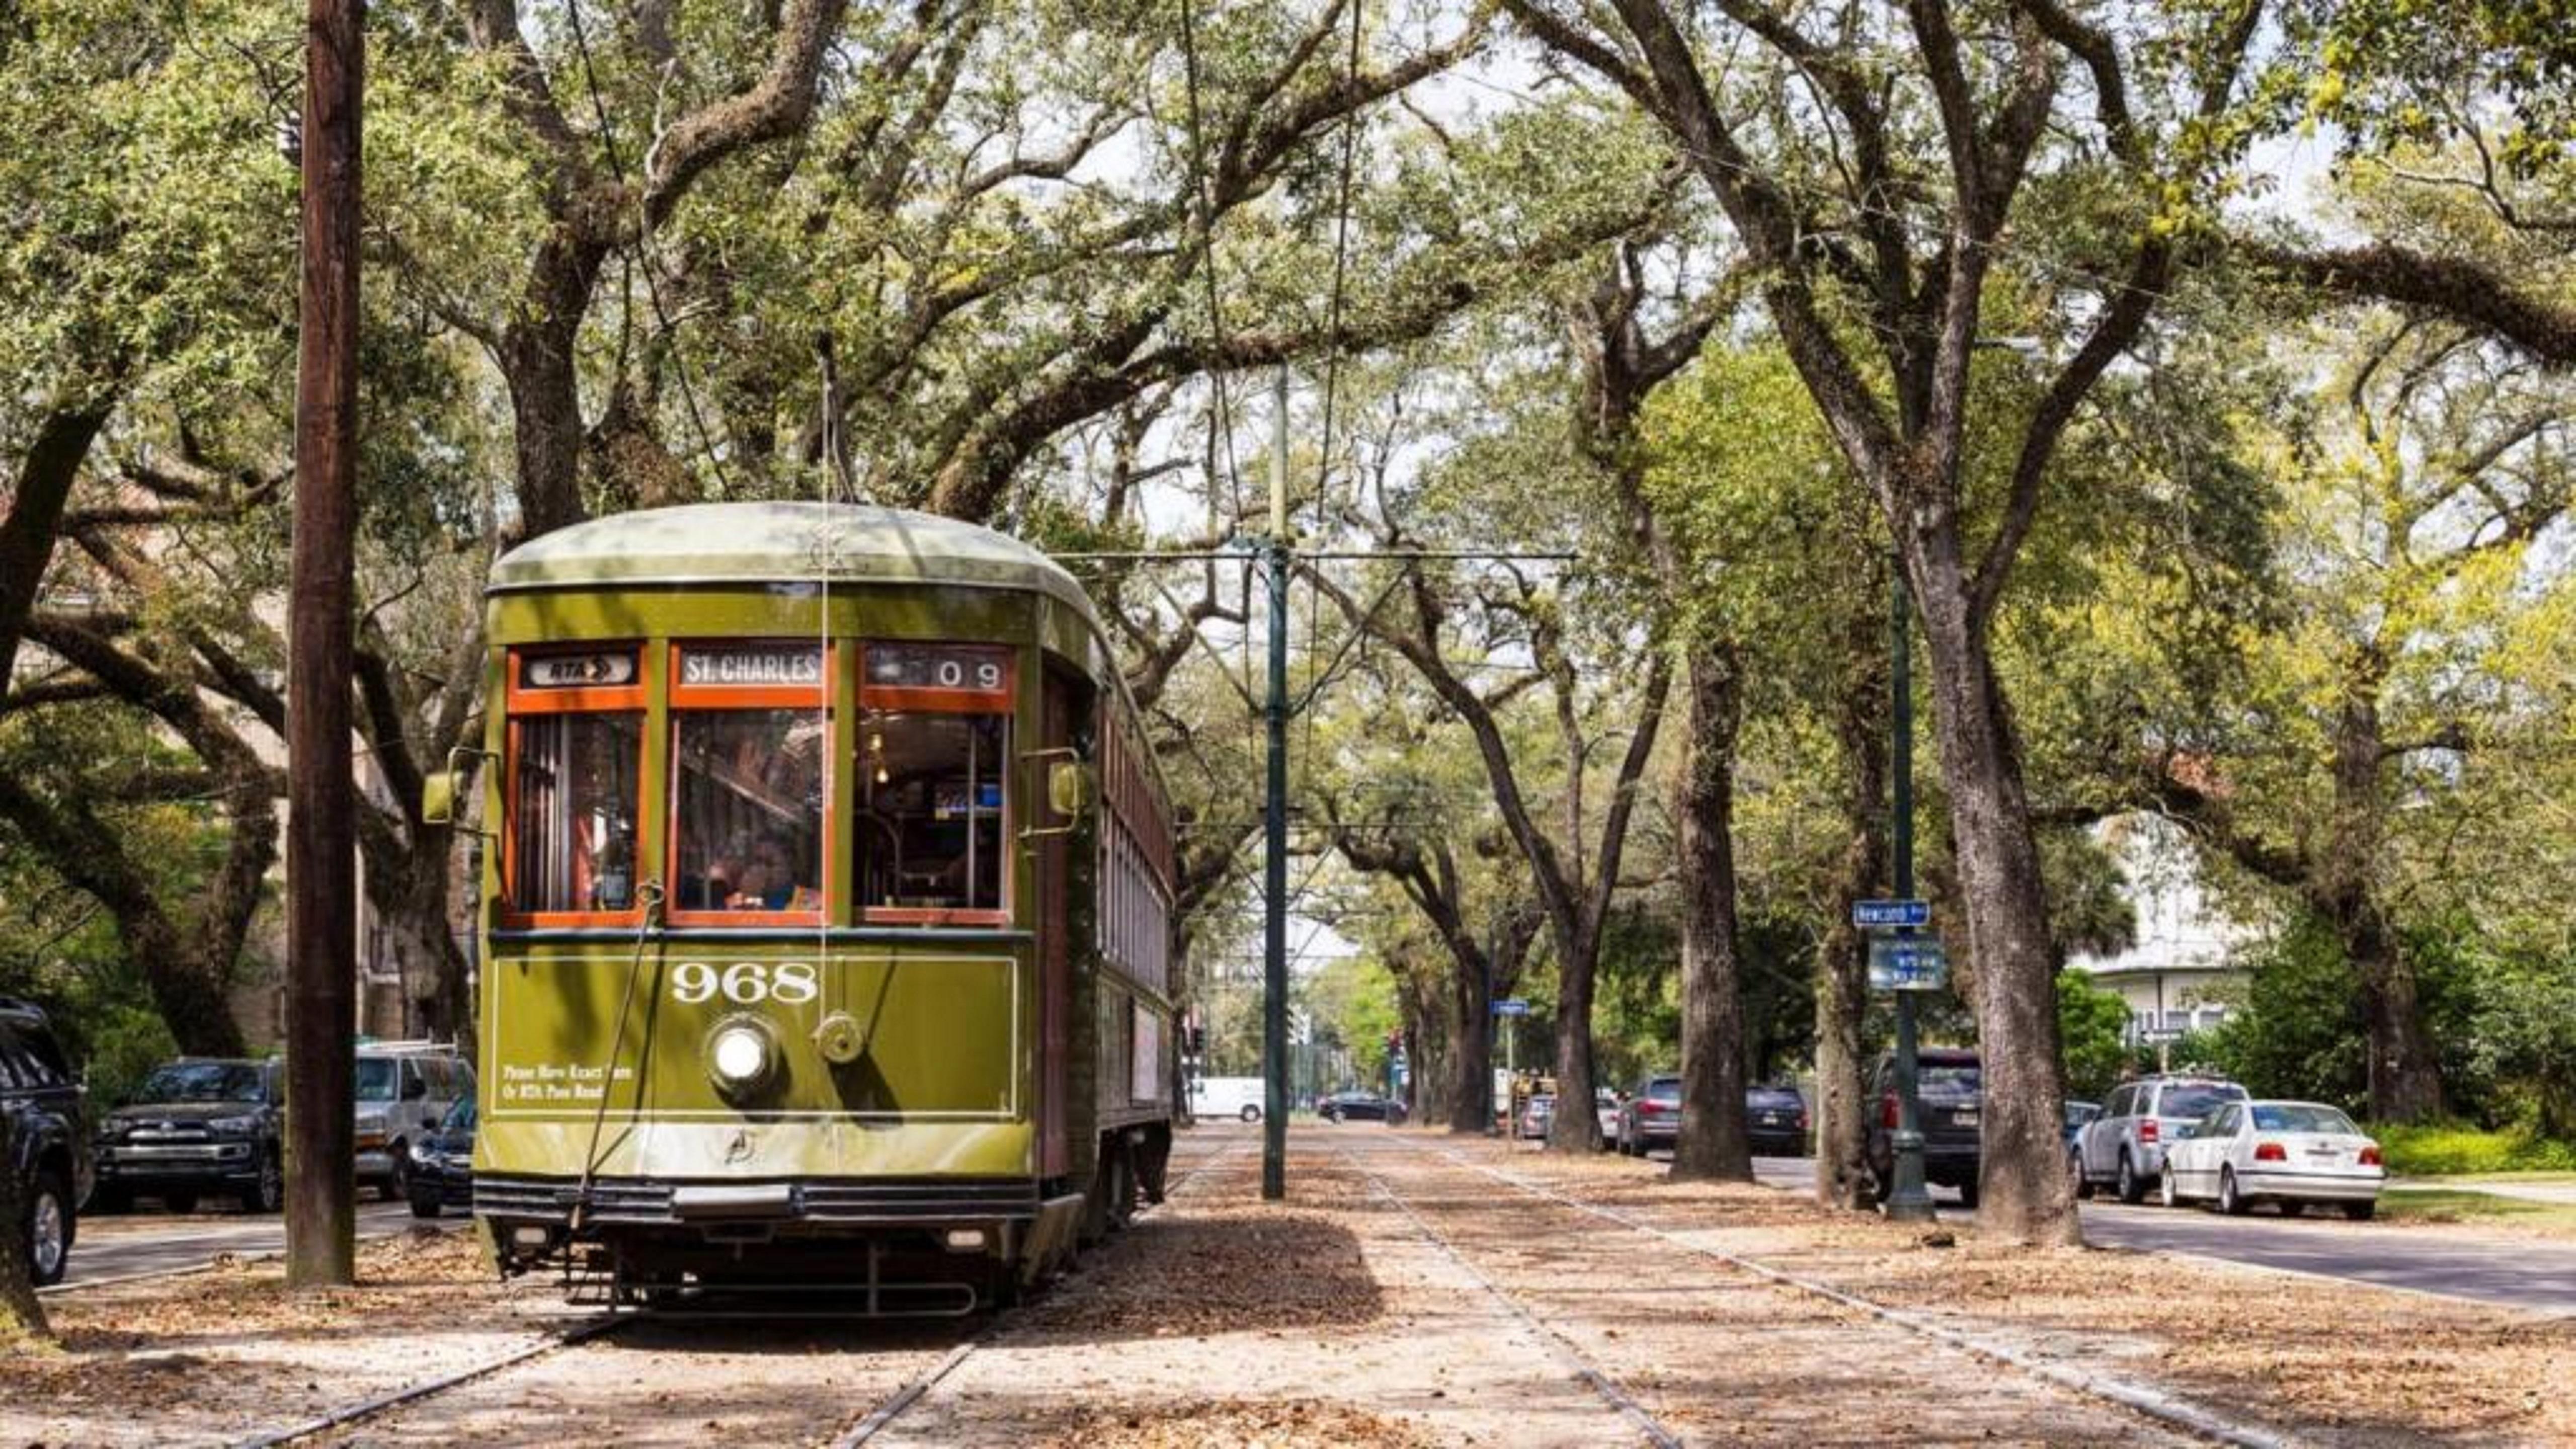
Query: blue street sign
[[1514, 1007], [1907, 963], [1891, 915]]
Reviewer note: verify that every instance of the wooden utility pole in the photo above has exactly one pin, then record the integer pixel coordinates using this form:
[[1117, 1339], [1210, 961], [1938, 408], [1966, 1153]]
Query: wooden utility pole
[[321, 870]]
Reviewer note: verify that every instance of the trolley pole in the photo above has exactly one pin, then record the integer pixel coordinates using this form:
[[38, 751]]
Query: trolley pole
[[321, 914], [1910, 1200], [1274, 923]]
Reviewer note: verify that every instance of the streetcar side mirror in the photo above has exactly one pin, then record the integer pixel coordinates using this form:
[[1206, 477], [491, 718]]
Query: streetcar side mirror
[[438, 798], [1072, 788]]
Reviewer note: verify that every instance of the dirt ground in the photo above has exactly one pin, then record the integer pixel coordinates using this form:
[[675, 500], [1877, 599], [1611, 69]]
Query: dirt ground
[[1412, 1291]]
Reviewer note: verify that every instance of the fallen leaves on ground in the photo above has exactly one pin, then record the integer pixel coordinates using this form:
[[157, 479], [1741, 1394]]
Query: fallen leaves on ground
[[1237, 1424]]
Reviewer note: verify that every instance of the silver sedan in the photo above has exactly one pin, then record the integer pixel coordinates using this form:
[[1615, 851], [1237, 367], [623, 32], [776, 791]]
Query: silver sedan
[[2289, 1153]]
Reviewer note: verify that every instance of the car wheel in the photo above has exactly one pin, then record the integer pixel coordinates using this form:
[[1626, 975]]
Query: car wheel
[[179, 1202], [397, 1183], [268, 1193], [425, 1204], [1250, 1114], [2360, 1211], [2083, 1184], [49, 1229], [2165, 1188], [1334, 1116], [2133, 1189], [2230, 1201]]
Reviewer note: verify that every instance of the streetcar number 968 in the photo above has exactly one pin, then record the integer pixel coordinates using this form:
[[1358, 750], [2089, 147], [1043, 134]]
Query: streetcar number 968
[[745, 983]]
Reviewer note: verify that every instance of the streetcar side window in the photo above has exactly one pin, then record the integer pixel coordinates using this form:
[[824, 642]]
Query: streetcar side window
[[933, 752], [750, 741], [576, 757]]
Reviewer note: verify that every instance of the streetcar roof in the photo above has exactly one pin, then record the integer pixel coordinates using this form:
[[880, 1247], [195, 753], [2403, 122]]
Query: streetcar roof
[[742, 543]]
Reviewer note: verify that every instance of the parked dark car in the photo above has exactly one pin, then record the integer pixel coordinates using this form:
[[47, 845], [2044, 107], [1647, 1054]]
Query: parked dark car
[[49, 1152], [1775, 1119], [1651, 1117], [1359, 1107], [1949, 1092], [196, 1126], [442, 1165], [2077, 1114]]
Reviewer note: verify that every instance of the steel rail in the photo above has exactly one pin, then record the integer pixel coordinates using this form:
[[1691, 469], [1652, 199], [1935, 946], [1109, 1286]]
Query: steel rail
[[2168, 1410], [895, 1405], [413, 1393], [1562, 1348]]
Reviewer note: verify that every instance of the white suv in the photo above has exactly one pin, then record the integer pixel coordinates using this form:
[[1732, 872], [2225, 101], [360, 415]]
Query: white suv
[[404, 1090]]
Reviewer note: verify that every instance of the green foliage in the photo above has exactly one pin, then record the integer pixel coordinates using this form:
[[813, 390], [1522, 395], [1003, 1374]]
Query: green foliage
[[2090, 1025], [2300, 1031], [2449, 1149]]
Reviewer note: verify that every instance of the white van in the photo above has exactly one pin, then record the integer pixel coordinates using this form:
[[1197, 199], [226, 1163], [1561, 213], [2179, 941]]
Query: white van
[[1239, 1097]]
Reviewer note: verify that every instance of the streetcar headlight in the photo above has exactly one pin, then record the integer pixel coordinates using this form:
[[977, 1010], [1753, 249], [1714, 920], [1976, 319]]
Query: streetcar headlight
[[739, 1053]]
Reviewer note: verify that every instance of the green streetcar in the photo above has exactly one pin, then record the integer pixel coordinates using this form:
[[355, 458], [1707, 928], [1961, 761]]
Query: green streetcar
[[823, 924]]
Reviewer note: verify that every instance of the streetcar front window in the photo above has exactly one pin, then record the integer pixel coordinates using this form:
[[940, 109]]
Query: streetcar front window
[[751, 733], [931, 792], [573, 822], [748, 808]]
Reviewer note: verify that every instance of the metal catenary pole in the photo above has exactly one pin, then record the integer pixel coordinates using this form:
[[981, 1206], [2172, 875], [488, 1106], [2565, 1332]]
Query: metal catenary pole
[[1908, 1200], [321, 913], [1274, 922]]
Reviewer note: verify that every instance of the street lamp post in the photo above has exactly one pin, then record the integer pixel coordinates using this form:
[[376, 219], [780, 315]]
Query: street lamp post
[[1907, 1200]]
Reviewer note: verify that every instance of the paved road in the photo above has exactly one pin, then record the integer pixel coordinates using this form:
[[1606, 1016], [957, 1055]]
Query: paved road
[[2516, 1272], [110, 1247]]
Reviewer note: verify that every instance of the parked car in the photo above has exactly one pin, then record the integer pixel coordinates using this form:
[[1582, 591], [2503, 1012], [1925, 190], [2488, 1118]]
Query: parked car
[[1536, 1115], [2124, 1148], [1651, 1117], [49, 1153], [1775, 1120], [1359, 1107], [442, 1165], [2077, 1114], [2290, 1153], [404, 1090], [194, 1127], [1949, 1096], [1605, 1104]]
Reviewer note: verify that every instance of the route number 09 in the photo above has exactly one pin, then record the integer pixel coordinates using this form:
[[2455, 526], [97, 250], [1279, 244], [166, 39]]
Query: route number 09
[[745, 983], [952, 675]]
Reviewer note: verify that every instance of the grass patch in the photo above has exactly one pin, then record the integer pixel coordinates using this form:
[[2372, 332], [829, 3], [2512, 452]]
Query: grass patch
[[2443, 1205], [2452, 1150]]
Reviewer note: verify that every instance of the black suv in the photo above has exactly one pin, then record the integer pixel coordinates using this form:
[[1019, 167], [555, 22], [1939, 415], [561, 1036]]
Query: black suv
[[1949, 1098], [197, 1125], [51, 1156]]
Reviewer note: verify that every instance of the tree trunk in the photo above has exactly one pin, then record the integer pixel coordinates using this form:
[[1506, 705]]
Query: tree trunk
[[22, 1313], [1712, 1141], [2022, 1178], [2405, 1077], [1842, 970], [1575, 1127], [1471, 1053], [34, 522]]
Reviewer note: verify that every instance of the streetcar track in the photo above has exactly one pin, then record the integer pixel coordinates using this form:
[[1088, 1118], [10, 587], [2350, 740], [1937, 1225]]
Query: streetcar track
[[886, 1412], [414, 1393], [895, 1405], [2168, 1410], [1562, 1348]]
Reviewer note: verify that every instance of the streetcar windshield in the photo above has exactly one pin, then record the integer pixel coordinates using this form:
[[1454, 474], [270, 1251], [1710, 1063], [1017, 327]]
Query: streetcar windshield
[[749, 809]]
